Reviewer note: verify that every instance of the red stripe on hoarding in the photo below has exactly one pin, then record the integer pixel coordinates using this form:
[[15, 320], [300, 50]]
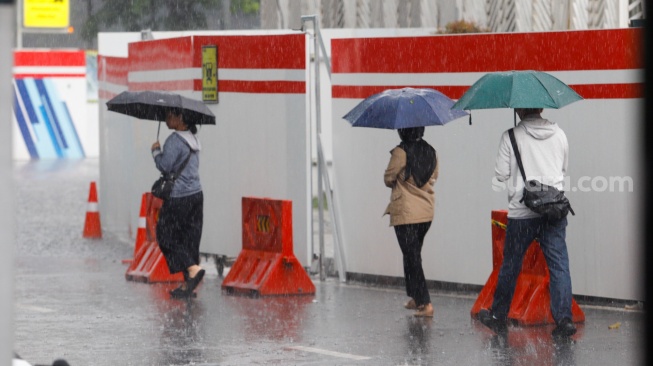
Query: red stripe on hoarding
[[610, 91], [50, 58], [46, 75], [362, 92], [117, 69], [271, 87], [175, 85], [163, 54], [257, 87], [551, 51], [255, 52], [595, 91], [104, 94]]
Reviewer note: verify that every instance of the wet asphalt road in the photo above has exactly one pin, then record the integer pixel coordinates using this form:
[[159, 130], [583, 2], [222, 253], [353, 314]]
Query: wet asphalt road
[[73, 302]]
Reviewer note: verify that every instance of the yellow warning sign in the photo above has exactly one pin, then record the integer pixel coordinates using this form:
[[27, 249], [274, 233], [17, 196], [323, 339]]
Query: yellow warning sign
[[210, 73], [263, 223], [46, 13]]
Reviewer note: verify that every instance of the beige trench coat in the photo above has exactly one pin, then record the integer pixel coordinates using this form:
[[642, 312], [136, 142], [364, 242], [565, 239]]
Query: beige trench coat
[[409, 204]]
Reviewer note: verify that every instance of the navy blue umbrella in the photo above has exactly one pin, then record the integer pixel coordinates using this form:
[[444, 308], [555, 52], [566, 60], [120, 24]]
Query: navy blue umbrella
[[404, 108]]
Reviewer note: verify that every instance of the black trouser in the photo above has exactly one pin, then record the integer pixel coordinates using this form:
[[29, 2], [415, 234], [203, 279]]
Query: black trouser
[[179, 231], [411, 239]]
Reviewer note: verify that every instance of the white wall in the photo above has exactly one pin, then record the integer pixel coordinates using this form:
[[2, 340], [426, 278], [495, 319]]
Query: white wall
[[603, 239]]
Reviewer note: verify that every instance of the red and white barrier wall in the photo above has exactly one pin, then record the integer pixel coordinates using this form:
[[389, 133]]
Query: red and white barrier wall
[[603, 66], [259, 146]]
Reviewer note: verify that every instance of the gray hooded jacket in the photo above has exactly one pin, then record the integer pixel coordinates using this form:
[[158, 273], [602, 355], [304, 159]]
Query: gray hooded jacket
[[175, 150], [545, 154]]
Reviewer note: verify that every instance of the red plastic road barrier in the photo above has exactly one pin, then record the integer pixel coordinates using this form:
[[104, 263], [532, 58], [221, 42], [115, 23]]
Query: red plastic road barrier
[[531, 302], [140, 233], [92, 226], [267, 265], [148, 264]]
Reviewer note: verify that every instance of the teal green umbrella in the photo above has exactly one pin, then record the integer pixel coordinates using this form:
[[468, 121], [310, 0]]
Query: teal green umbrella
[[517, 89]]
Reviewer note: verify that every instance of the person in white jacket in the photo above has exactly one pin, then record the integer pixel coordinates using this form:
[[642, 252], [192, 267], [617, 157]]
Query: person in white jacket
[[544, 152]]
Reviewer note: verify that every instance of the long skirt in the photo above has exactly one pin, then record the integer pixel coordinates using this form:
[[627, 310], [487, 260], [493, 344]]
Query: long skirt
[[179, 231]]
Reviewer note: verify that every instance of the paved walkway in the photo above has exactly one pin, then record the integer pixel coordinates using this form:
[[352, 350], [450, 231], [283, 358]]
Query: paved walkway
[[73, 302]]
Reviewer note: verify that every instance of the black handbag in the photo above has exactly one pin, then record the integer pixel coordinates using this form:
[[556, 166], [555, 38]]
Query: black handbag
[[540, 198], [162, 187]]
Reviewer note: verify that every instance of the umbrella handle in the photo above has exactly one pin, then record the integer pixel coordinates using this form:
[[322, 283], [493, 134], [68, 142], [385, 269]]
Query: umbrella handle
[[515, 118], [157, 131]]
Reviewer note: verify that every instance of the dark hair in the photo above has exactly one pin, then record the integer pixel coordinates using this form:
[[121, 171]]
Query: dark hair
[[411, 134], [528, 111], [174, 110], [192, 127]]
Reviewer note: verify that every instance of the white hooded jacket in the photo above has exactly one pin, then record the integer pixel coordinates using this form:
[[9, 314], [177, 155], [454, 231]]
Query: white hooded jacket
[[544, 153]]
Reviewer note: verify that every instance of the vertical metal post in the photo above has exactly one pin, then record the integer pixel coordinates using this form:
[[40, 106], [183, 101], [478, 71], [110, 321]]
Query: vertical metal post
[[226, 14], [7, 214], [19, 24], [318, 128]]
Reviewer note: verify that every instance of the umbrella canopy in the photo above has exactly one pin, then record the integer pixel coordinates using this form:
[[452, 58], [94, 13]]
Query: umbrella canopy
[[154, 104], [404, 108], [517, 89]]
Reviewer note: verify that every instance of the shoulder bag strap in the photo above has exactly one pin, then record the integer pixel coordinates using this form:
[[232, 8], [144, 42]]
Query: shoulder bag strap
[[513, 141], [184, 164]]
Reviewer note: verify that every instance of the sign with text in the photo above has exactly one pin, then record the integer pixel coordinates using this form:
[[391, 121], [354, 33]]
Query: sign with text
[[46, 13], [210, 74]]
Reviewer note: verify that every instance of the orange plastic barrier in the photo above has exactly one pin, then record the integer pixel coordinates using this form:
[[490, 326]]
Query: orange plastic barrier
[[92, 226], [267, 265], [531, 301], [141, 231], [148, 264]]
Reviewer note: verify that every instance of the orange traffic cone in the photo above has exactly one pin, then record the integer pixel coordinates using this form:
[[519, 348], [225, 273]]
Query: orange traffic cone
[[141, 234], [92, 227]]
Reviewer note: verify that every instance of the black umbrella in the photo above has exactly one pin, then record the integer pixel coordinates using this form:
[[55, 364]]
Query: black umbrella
[[153, 105]]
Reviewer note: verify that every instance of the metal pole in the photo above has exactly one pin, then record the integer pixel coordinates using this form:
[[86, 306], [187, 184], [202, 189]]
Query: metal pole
[[7, 200], [318, 127], [19, 24]]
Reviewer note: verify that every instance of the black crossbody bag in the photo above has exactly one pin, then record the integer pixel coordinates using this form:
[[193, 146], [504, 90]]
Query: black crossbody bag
[[540, 198], [162, 187]]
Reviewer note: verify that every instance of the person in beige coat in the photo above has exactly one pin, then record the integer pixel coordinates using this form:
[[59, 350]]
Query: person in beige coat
[[411, 173]]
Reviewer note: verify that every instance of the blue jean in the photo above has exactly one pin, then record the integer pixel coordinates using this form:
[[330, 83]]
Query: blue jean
[[519, 235]]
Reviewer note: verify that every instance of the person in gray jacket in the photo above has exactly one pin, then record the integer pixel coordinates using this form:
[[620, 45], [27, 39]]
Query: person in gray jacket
[[545, 154], [179, 227]]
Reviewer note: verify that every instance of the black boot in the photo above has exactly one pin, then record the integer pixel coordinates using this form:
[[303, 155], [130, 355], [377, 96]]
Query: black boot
[[498, 326], [565, 328]]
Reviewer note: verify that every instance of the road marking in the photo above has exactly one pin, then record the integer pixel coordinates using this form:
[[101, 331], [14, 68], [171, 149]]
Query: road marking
[[37, 309], [328, 353]]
